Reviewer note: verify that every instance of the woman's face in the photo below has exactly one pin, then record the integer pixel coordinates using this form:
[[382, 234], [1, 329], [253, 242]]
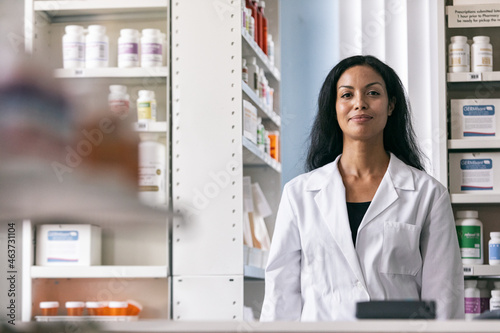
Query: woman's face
[[362, 104]]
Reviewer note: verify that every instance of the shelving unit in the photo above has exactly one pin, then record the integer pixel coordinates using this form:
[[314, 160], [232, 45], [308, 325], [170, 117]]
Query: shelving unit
[[135, 254], [207, 174], [482, 270]]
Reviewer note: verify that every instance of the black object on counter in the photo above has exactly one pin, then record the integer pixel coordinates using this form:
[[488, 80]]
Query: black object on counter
[[494, 314], [396, 310]]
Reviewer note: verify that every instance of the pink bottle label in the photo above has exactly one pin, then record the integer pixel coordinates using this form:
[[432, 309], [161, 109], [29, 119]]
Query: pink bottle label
[[128, 48], [472, 305], [151, 48]]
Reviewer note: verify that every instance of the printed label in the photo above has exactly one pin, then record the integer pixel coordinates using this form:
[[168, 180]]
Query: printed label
[[96, 51], [457, 58], [119, 107], [484, 304], [62, 246], [472, 305], [477, 174], [494, 251], [144, 110], [151, 52], [151, 178], [494, 304], [469, 240], [128, 52], [74, 51], [479, 120]]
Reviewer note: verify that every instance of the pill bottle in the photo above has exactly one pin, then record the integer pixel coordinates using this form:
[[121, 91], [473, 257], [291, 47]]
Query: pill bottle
[[458, 55], [151, 48], [49, 308], [75, 308], [128, 48], [96, 47], [495, 300], [484, 295], [119, 101], [481, 54], [73, 44], [274, 138], [117, 308], [95, 308], [244, 71], [134, 308], [472, 299], [470, 237], [152, 170], [494, 248], [146, 106]]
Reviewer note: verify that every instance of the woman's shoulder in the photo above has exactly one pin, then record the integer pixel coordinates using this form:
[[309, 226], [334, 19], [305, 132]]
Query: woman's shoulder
[[421, 178]]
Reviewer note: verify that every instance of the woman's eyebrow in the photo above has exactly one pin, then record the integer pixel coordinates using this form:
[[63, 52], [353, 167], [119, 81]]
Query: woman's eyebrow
[[368, 85]]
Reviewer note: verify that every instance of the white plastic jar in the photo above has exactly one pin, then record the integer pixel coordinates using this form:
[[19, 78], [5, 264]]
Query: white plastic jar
[[128, 48], [151, 48], [482, 54], [470, 237], [96, 47], [152, 172], [495, 300], [472, 300], [119, 101], [146, 106], [458, 55], [73, 44], [494, 248]]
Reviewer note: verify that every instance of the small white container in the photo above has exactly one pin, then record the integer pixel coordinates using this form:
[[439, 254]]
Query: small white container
[[482, 54], [151, 48], [146, 106], [494, 248], [119, 100], [472, 300], [458, 55], [470, 237], [96, 47], [128, 48], [73, 44], [495, 300], [152, 171]]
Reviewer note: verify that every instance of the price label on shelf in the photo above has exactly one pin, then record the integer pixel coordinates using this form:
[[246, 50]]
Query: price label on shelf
[[78, 72], [474, 77], [143, 127], [468, 270]]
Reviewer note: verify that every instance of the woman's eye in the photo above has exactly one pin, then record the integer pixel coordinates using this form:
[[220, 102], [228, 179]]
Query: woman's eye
[[345, 95], [373, 92]]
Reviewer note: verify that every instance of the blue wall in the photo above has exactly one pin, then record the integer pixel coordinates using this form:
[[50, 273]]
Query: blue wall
[[309, 49]]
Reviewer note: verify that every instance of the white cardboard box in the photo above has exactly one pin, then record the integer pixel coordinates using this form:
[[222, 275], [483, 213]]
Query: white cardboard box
[[68, 244], [475, 172], [475, 118], [250, 121]]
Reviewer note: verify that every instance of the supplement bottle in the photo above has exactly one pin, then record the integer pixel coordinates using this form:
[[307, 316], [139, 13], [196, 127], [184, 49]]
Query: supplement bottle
[[270, 49], [495, 300], [95, 308], [152, 171], [484, 295], [244, 71], [96, 47], [261, 142], [470, 237], [458, 55], [117, 308], [263, 33], [128, 48], [49, 308], [472, 299], [494, 248], [75, 308], [151, 48], [253, 75], [119, 101], [73, 44], [482, 54], [146, 106]]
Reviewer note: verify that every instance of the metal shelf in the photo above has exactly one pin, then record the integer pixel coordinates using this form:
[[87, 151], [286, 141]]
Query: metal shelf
[[151, 127], [107, 72], [476, 143], [481, 270], [464, 198], [251, 49], [99, 272], [263, 111], [254, 156], [473, 77]]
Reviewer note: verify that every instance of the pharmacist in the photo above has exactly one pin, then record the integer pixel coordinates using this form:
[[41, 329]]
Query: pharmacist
[[366, 223]]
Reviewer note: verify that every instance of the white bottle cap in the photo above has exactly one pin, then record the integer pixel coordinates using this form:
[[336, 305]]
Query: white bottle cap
[[151, 32], [244, 62], [75, 304], [146, 94], [118, 88], [484, 39], [119, 305], [462, 39], [49, 305], [95, 305], [495, 293], [495, 234], [95, 28], [262, 4], [129, 32], [470, 283], [467, 214], [75, 29]]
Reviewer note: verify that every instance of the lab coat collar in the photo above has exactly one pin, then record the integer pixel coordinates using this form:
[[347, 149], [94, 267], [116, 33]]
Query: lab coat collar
[[331, 202]]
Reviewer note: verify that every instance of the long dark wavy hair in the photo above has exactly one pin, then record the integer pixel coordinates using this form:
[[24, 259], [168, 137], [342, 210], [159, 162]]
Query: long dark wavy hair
[[326, 139]]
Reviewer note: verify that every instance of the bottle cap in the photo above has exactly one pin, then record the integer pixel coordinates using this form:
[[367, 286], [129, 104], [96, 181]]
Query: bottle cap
[[470, 283], [262, 4], [78, 29], [467, 214], [115, 305], [495, 293], [462, 39], [484, 39], [75, 304], [151, 32], [118, 88], [129, 32], [48, 305], [244, 62], [96, 28], [495, 234], [95, 305]]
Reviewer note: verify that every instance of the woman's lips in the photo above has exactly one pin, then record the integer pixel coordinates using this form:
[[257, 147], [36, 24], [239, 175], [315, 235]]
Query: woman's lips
[[361, 118]]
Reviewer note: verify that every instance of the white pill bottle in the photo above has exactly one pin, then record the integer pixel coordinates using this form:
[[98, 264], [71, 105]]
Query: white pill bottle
[[151, 48], [146, 106], [482, 54], [96, 47], [73, 44], [119, 101], [152, 171], [128, 48], [494, 248], [458, 55], [470, 237], [495, 300], [472, 300]]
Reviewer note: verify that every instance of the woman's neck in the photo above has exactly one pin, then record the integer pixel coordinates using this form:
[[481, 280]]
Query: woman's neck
[[363, 159]]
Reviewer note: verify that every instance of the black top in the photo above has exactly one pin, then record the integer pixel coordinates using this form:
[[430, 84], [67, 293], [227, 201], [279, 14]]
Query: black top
[[356, 211]]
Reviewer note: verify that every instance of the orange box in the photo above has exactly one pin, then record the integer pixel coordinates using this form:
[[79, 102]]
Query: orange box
[[49, 308], [75, 308], [133, 308], [118, 308]]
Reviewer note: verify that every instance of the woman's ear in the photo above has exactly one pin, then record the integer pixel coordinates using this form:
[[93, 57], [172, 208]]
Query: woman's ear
[[392, 103]]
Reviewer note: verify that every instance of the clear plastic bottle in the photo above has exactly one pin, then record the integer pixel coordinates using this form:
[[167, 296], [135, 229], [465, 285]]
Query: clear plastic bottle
[[152, 172], [458, 55], [146, 106], [470, 237], [128, 48], [495, 300], [119, 101], [482, 54], [96, 47], [494, 248], [484, 295], [73, 45], [472, 300], [244, 71], [151, 48]]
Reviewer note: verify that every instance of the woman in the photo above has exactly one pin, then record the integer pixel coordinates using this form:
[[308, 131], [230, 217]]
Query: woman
[[366, 223]]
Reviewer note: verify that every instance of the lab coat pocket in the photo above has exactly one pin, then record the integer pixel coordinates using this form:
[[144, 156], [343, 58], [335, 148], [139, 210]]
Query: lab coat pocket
[[401, 249]]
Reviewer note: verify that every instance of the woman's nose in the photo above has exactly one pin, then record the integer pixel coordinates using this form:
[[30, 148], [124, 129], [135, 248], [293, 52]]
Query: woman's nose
[[359, 102]]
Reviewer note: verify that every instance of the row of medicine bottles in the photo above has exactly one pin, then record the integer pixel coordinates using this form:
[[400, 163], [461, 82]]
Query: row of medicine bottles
[[476, 58], [256, 79], [255, 22], [478, 298], [90, 48]]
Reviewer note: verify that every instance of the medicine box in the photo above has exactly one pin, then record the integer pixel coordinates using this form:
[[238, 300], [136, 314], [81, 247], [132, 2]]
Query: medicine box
[[475, 172], [250, 121], [474, 118], [68, 244]]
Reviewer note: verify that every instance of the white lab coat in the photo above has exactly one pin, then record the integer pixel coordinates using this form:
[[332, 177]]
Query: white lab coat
[[406, 247]]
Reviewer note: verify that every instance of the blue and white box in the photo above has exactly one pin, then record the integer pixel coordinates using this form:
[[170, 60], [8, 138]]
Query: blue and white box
[[475, 172], [474, 118], [68, 244]]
